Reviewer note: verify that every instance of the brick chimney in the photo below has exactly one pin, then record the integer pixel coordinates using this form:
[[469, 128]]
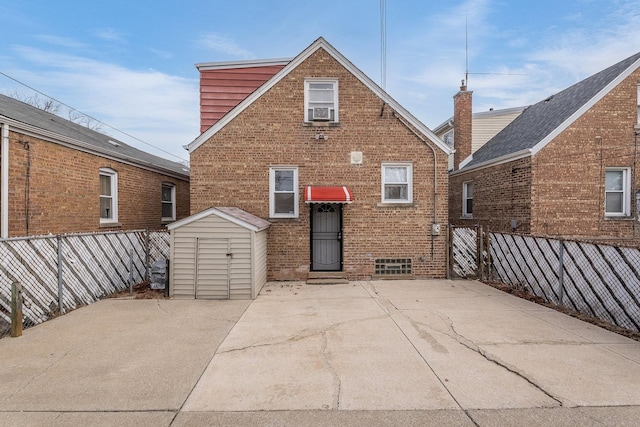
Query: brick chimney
[[462, 116]]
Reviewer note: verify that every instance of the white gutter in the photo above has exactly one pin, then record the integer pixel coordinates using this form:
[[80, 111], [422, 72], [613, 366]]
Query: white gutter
[[494, 162], [4, 182]]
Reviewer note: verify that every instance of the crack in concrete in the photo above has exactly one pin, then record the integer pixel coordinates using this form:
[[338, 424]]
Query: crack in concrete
[[337, 383], [39, 374], [471, 345], [304, 334]]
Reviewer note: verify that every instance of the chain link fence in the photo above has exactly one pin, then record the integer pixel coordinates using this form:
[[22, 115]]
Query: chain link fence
[[64, 272]]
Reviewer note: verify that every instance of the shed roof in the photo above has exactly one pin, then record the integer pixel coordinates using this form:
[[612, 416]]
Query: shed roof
[[540, 123], [232, 214], [54, 128]]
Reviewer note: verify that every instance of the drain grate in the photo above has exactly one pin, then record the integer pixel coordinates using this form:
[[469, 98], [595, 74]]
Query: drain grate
[[393, 266]]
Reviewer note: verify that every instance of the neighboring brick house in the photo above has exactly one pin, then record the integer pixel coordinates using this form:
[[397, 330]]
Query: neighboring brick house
[[353, 185], [565, 167], [57, 176]]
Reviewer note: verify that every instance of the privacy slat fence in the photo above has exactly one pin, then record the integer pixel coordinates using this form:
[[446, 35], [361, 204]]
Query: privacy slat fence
[[61, 273], [598, 280]]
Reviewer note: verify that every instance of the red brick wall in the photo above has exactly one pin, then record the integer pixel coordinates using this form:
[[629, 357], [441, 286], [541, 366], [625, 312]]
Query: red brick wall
[[232, 169], [568, 196], [560, 190], [64, 191], [500, 194]]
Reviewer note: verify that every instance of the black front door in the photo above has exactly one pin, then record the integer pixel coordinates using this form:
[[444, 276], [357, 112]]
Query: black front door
[[326, 237]]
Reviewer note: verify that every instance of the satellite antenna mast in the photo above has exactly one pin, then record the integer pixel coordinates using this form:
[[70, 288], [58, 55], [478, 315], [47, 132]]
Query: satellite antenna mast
[[466, 50], [383, 45]]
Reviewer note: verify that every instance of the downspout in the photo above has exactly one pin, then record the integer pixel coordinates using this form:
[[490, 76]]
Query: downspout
[[4, 183], [435, 181]]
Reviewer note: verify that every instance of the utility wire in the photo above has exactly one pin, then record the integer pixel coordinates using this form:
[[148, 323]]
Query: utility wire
[[92, 118]]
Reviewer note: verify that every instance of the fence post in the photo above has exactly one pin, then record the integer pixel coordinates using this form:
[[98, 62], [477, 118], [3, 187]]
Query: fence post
[[60, 287], [561, 271], [450, 251], [488, 246], [130, 271], [16, 309], [479, 251], [147, 253]]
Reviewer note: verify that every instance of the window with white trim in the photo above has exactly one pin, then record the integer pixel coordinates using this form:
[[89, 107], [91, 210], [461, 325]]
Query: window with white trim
[[283, 192], [168, 202], [467, 199], [397, 183], [108, 195], [617, 192], [320, 100]]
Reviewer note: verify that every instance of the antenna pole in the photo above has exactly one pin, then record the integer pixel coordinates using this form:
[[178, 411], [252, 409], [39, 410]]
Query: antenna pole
[[383, 45], [466, 50]]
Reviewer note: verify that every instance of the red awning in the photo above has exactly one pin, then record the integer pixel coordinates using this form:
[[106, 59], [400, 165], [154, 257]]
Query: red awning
[[337, 194]]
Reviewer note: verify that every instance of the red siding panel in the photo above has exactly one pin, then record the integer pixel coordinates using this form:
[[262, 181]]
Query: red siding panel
[[222, 90]]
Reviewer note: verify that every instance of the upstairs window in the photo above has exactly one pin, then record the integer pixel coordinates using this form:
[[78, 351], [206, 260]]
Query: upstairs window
[[397, 185], [467, 199], [108, 195], [617, 192], [168, 202], [283, 192], [321, 100]]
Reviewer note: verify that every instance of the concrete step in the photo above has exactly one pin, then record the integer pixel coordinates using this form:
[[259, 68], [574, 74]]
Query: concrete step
[[327, 281]]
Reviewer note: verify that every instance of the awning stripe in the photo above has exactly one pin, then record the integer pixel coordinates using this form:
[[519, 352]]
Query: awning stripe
[[335, 194]]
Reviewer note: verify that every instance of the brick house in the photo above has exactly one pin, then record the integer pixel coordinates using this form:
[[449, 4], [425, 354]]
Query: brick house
[[60, 177], [565, 167], [353, 185]]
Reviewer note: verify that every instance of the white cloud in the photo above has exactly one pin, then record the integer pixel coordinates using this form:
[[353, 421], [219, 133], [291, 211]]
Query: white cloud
[[110, 34], [158, 108], [225, 45]]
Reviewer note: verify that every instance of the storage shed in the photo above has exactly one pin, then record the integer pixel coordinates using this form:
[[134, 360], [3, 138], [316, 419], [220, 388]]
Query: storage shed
[[219, 253]]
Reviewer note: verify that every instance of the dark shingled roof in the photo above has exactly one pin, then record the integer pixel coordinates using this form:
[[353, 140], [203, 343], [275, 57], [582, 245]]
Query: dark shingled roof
[[539, 120], [87, 139]]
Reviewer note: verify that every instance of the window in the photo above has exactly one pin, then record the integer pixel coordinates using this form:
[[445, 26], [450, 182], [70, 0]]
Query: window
[[467, 199], [283, 192], [108, 195], [397, 184], [321, 100], [168, 202], [617, 192]]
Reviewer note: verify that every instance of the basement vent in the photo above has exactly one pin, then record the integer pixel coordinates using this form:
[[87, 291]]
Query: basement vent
[[393, 266]]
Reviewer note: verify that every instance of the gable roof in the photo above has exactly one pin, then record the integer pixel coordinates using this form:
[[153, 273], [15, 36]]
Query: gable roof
[[232, 214], [540, 123], [42, 124], [320, 43]]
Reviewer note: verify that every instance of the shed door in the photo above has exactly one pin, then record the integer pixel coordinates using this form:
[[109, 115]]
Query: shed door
[[212, 268], [326, 237]]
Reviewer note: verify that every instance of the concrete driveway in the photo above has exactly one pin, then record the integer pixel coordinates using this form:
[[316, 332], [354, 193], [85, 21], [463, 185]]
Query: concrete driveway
[[417, 352]]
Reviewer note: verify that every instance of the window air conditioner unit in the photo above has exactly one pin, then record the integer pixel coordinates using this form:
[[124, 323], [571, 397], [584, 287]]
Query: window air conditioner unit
[[320, 113]]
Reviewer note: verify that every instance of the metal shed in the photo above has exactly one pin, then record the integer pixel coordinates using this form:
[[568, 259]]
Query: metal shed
[[219, 253]]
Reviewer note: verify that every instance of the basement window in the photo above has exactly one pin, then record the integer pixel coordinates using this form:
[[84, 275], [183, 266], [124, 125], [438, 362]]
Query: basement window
[[393, 266]]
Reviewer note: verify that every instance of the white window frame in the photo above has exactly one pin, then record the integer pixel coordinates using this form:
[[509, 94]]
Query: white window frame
[[113, 175], [273, 192], [307, 100], [409, 183], [466, 198], [626, 192], [172, 202]]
